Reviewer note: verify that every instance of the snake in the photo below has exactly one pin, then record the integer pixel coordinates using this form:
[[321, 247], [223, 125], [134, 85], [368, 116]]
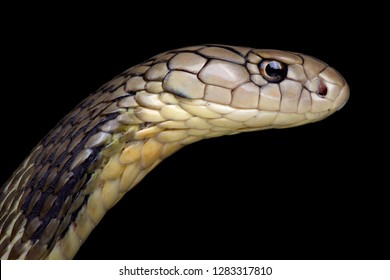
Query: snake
[[118, 134]]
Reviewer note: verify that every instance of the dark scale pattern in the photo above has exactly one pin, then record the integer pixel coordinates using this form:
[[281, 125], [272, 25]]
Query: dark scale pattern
[[52, 186], [69, 188]]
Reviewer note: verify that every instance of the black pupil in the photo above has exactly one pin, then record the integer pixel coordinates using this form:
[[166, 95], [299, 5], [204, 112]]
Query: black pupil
[[275, 70]]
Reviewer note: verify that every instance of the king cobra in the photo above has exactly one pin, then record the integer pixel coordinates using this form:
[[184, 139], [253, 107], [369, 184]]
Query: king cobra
[[117, 135]]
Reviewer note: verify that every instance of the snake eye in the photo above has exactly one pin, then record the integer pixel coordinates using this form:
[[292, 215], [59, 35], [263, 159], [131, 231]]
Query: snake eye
[[273, 71]]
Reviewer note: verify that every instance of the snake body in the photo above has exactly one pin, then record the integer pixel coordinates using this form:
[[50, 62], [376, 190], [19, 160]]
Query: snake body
[[112, 139]]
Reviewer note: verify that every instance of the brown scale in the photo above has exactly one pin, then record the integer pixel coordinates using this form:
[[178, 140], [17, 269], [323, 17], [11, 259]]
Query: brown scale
[[63, 226], [50, 178], [2, 219], [17, 226], [16, 250], [48, 233], [9, 199], [32, 202], [8, 220], [32, 226], [36, 251], [26, 176], [4, 244], [47, 205]]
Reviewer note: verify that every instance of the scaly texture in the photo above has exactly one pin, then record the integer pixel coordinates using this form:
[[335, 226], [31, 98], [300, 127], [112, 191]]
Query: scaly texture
[[112, 139]]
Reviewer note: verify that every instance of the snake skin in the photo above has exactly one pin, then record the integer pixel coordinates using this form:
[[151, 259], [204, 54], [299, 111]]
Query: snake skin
[[112, 139]]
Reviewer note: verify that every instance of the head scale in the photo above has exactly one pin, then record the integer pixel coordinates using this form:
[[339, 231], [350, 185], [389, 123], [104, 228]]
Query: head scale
[[241, 89]]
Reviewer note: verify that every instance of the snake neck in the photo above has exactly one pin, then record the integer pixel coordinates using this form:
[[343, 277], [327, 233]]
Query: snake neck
[[74, 176], [82, 168]]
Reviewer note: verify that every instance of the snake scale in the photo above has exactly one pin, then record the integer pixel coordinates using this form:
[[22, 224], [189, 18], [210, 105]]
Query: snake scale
[[112, 139]]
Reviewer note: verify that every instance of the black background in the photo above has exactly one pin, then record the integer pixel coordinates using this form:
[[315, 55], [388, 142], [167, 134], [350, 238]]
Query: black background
[[312, 192]]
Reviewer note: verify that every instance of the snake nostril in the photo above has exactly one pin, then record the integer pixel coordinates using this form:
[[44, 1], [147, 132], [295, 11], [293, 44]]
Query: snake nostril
[[322, 89]]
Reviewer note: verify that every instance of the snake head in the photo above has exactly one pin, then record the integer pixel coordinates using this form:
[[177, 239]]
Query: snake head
[[228, 89]]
